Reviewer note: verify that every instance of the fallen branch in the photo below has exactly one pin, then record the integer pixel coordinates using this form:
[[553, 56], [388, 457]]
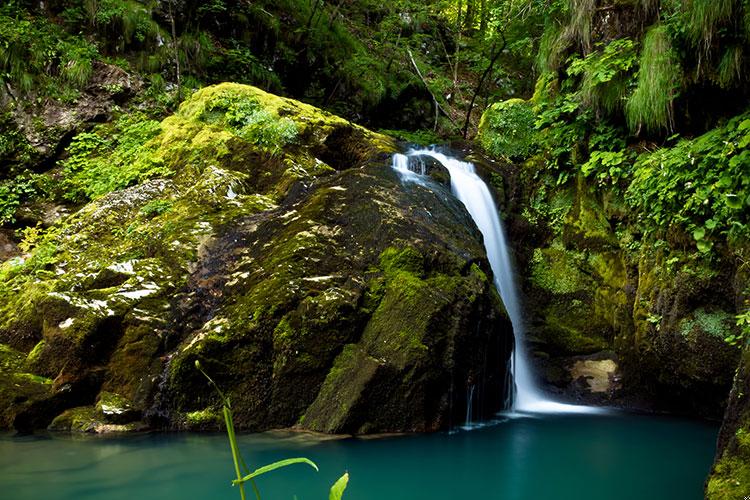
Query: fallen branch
[[438, 107], [478, 89]]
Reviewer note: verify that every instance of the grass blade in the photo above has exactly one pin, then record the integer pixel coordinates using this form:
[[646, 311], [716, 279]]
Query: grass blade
[[337, 490], [274, 466]]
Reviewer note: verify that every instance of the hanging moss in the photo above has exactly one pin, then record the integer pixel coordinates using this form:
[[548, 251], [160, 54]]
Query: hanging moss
[[581, 18], [730, 67], [552, 46], [704, 18], [651, 105]]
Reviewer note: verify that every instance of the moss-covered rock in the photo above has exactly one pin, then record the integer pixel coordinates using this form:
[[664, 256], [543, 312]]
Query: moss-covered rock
[[730, 476], [261, 236], [592, 287]]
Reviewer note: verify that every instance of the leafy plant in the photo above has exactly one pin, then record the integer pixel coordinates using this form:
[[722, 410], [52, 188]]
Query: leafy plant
[[508, 129], [604, 74], [156, 207], [240, 467], [111, 158], [252, 122], [701, 184], [608, 167]]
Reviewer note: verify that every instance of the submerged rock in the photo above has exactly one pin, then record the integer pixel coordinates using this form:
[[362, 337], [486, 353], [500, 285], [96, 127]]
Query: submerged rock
[[281, 251]]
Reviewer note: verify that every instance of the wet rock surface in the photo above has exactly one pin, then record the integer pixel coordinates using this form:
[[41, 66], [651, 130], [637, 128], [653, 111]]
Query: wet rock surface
[[316, 288]]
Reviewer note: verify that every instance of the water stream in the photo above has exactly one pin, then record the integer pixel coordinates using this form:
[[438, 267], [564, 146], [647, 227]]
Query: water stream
[[472, 191]]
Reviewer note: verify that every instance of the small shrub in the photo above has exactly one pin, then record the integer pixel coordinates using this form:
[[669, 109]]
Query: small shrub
[[507, 129]]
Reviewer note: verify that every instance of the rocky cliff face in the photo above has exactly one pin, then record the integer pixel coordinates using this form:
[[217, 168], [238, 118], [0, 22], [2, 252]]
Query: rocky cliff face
[[615, 317], [279, 249], [730, 476]]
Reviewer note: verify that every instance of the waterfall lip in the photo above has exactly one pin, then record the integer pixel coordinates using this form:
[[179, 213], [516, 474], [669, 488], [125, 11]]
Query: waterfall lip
[[472, 191]]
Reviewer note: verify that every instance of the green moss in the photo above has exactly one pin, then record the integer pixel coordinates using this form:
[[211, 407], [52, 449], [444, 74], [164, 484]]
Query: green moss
[[407, 259], [207, 418], [610, 268], [558, 270], [715, 323], [586, 224], [410, 306], [79, 419], [571, 328], [730, 477], [507, 129], [33, 356]]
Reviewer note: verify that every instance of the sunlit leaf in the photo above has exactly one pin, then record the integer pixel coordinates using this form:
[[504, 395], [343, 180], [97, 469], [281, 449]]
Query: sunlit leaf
[[274, 466], [734, 201], [704, 246], [337, 490]]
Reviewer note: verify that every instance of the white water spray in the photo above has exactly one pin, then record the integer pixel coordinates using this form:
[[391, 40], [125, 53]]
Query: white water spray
[[471, 190]]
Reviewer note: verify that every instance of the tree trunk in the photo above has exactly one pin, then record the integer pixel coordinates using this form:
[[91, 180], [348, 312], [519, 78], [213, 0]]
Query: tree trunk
[[480, 83], [176, 52], [469, 18], [483, 17]]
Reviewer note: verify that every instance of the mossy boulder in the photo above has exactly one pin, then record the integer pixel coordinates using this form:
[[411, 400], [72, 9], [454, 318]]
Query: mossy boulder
[[257, 235], [730, 475], [358, 268]]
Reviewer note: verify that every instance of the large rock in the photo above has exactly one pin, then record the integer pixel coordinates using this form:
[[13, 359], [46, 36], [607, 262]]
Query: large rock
[[286, 256]]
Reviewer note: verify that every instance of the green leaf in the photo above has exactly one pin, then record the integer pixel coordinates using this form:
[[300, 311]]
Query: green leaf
[[733, 201], [274, 466], [704, 246], [710, 224], [699, 233], [725, 181], [337, 490]]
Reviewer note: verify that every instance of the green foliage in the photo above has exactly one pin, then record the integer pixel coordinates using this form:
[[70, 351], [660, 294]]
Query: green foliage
[[15, 191], [604, 74], [552, 45], [41, 252], [563, 128], [110, 158], [337, 490], [253, 123], [701, 184], [731, 66], [240, 466], [507, 129], [123, 23], [651, 105], [156, 207], [607, 167], [703, 18], [418, 137], [36, 54], [743, 321], [581, 18]]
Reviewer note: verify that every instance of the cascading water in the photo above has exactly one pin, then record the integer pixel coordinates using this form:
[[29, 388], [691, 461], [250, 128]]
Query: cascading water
[[471, 190]]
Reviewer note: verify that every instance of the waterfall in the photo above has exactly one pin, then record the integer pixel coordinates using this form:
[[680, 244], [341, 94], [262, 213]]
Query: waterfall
[[472, 191], [469, 405]]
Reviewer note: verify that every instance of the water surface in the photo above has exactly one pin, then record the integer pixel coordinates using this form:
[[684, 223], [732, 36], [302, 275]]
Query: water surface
[[554, 457]]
